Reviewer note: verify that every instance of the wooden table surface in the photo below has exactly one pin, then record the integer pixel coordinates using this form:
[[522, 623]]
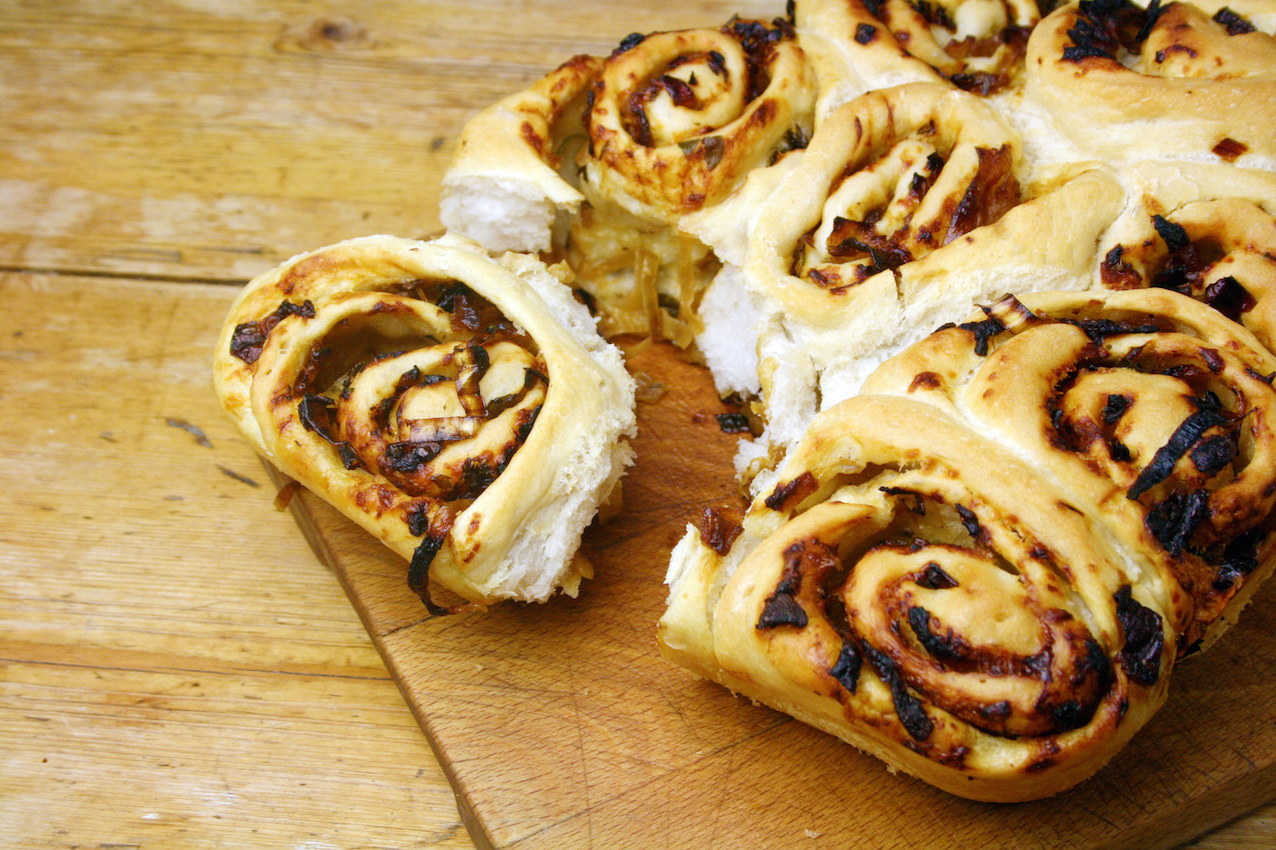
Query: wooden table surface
[[177, 669]]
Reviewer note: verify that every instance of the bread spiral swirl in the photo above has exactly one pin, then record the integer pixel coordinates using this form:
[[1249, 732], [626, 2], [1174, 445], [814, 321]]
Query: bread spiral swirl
[[904, 212], [1183, 79], [1154, 412], [461, 410], [863, 45], [677, 119], [897, 590], [892, 177]]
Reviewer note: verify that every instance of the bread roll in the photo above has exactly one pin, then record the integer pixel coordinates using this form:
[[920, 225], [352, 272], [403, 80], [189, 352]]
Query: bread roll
[[1151, 410], [896, 591], [674, 123], [857, 46], [1199, 83], [905, 211], [506, 187], [461, 409]]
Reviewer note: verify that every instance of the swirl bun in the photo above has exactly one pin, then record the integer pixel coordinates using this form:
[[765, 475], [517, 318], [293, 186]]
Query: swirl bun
[[1152, 411], [896, 590], [679, 118], [863, 45], [904, 212], [1200, 82], [460, 409], [675, 124]]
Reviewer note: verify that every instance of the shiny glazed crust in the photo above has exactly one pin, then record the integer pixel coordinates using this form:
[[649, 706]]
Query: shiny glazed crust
[[459, 408]]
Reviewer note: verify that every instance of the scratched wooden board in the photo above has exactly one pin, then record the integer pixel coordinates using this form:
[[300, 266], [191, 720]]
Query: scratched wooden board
[[561, 727]]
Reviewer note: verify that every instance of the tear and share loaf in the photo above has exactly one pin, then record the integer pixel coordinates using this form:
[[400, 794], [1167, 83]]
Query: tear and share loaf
[[983, 568], [977, 551], [460, 408]]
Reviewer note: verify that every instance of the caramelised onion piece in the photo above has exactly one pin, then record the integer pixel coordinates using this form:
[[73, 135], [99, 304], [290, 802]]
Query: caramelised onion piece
[[461, 409]]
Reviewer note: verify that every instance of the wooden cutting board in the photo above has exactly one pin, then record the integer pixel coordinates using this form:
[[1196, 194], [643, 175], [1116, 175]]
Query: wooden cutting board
[[560, 726]]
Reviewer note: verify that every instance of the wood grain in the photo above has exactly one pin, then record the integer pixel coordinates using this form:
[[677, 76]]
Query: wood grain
[[211, 140], [176, 668]]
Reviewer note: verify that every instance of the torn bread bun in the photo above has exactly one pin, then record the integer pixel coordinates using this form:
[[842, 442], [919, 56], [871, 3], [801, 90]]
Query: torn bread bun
[[599, 163], [506, 187], [905, 212], [461, 409]]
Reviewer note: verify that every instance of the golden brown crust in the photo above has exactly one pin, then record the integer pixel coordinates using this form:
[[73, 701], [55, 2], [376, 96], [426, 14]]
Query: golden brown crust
[[505, 186], [890, 177]]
